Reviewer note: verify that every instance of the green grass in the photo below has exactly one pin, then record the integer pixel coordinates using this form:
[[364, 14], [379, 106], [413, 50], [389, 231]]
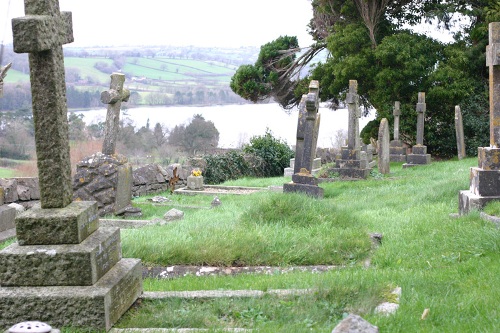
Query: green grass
[[7, 172], [16, 76], [448, 265], [87, 69]]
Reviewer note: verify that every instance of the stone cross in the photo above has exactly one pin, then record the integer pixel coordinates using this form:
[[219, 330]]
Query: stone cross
[[3, 74], [41, 33], [114, 98], [459, 130], [311, 126], [396, 113], [352, 100], [383, 147], [420, 118], [301, 128], [493, 60]]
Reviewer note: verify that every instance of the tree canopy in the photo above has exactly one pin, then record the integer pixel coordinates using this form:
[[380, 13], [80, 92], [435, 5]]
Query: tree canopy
[[369, 41]]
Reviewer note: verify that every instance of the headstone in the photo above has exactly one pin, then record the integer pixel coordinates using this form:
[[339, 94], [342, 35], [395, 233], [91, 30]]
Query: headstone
[[383, 147], [3, 74], [459, 131], [419, 154], [485, 178], [397, 149], [353, 162], [63, 269], [173, 214], [355, 324], [303, 180], [113, 98]]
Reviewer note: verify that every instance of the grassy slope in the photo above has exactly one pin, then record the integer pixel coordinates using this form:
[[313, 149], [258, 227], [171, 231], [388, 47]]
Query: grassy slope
[[447, 265]]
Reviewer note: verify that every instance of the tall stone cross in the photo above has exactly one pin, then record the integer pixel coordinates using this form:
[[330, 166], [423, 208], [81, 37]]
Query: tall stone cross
[[493, 61], [114, 98], [3, 74], [352, 100], [420, 118], [41, 33], [396, 113], [311, 126]]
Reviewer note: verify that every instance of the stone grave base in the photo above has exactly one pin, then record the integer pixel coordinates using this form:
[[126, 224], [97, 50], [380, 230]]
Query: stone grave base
[[217, 190], [98, 306], [311, 190], [316, 167], [397, 158], [468, 201], [353, 173]]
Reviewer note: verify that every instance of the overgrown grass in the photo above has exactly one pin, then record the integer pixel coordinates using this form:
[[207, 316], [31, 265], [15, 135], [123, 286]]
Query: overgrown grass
[[448, 265]]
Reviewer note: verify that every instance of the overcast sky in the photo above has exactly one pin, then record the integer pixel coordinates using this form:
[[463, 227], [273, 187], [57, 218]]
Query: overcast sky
[[218, 23]]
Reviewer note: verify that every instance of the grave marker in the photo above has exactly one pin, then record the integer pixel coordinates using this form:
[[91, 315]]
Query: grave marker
[[485, 178], [113, 98], [383, 147], [397, 150], [459, 131], [59, 243], [307, 135], [419, 154]]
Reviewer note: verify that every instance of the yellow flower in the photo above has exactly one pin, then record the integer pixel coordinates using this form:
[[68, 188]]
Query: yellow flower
[[196, 172]]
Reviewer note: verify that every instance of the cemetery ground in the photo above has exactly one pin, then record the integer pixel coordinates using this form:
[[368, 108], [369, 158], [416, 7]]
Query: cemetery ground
[[442, 263]]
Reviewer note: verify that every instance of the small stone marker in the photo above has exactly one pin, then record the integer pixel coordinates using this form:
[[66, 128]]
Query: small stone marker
[[383, 147], [419, 154], [173, 214], [63, 268], [397, 150], [459, 131], [353, 162], [3, 74], [113, 98], [485, 178], [307, 135], [355, 324]]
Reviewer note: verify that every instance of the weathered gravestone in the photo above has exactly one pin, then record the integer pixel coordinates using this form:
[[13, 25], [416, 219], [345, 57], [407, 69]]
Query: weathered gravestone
[[353, 162], [307, 137], [459, 131], [397, 149], [419, 154], [3, 74], [485, 178], [64, 269], [107, 177], [383, 147]]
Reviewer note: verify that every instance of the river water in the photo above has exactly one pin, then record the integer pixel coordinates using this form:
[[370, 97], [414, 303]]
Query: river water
[[236, 123]]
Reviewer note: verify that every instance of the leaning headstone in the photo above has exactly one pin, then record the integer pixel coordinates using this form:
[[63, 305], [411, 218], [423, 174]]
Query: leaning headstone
[[63, 269], [383, 147], [3, 74], [107, 177], [353, 162], [485, 178], [419, 154], [398, 151], [303, 181], [459, 131], [355, 324]]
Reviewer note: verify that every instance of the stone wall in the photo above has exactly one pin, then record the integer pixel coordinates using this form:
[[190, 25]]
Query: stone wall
[[22, 190]]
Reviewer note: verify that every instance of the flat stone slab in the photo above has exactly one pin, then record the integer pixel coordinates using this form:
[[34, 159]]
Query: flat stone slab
[[97, 307], [61, 265], [216, 190], [225, 293], [68, 225], [7, 217]]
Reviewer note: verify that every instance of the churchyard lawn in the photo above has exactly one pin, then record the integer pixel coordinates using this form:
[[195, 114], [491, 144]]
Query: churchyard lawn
[[445, 264]]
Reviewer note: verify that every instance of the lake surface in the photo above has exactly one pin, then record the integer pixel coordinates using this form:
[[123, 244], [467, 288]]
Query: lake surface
[[236, 123]]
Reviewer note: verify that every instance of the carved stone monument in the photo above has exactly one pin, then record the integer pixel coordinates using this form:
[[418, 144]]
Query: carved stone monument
[[419, 154], [353, 162], [107, 177], [307, 137], [459, 131], [3, 74], [397, 149], [383, 147], [485, 178], [64, 269]]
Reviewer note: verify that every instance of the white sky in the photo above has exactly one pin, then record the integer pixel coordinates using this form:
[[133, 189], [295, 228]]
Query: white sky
[[217, 23]]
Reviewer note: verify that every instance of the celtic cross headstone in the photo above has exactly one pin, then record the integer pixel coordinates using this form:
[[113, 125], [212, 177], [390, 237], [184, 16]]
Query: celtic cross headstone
[[113, 98], [3, 74]]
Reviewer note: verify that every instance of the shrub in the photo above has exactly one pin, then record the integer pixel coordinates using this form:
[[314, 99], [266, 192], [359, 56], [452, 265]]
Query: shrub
[[222, 167], [275, 153]]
